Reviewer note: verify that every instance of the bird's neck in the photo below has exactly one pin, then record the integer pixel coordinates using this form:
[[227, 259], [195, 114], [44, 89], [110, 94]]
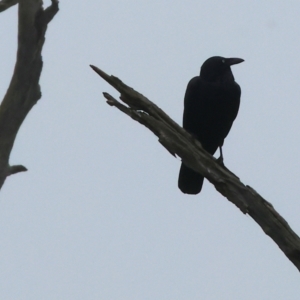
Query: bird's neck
[[223, 77]]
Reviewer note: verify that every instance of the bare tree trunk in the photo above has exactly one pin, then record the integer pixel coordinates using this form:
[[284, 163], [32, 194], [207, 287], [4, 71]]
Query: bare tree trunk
[[178, 142], [24, 89]]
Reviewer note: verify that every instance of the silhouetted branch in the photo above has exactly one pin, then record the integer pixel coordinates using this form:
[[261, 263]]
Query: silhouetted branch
[[24, 89], [15, 169], [177, 141], [5, 4]]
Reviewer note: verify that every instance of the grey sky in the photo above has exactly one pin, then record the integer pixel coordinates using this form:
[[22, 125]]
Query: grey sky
[[98, 215]]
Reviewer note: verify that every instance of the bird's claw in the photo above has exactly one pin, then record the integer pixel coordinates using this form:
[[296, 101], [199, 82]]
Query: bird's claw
[[220, 161]]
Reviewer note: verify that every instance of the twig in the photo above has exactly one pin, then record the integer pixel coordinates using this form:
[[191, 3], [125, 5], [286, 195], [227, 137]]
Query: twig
[[5, 4]]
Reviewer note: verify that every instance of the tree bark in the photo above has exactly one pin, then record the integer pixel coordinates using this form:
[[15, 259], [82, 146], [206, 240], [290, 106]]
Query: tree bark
[[179, 142], [24, 89]]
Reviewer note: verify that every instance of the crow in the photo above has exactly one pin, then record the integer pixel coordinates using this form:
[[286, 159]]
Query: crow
[[211, 104]]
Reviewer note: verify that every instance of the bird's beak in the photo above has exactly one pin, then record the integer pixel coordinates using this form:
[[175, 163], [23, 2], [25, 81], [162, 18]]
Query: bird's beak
[[233, 61]]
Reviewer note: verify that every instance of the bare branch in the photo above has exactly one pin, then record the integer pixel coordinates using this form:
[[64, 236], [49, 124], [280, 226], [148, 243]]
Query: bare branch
[[51, 11], [24, 89], [5, 4], [177, 141], [15, 169]]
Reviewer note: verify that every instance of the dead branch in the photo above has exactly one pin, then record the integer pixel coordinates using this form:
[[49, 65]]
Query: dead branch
[[24, 89], [177, 141], [5, 4]]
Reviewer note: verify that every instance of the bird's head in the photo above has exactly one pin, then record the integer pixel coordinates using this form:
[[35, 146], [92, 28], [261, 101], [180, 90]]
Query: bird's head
[[217, 69]]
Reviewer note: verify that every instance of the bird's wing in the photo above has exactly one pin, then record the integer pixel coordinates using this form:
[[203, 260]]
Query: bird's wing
[[209, 111], [193, 102], [198, 108]]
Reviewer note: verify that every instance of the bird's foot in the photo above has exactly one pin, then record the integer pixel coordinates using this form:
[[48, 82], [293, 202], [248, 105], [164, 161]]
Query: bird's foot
[[220, 161]]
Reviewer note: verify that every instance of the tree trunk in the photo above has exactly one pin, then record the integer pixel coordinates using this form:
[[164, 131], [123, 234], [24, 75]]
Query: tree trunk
[[24, 89]]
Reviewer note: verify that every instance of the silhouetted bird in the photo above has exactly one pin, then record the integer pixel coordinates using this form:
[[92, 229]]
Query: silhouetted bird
[[211, 104]]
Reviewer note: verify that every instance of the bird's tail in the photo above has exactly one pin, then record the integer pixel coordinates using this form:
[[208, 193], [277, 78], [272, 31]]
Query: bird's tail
[[189, 181]]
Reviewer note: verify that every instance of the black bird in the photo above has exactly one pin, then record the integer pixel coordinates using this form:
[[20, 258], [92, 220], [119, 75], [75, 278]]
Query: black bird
[[211, 104]]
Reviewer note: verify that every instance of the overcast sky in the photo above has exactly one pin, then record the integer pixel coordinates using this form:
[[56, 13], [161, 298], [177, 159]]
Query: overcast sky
[[99, 215]]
